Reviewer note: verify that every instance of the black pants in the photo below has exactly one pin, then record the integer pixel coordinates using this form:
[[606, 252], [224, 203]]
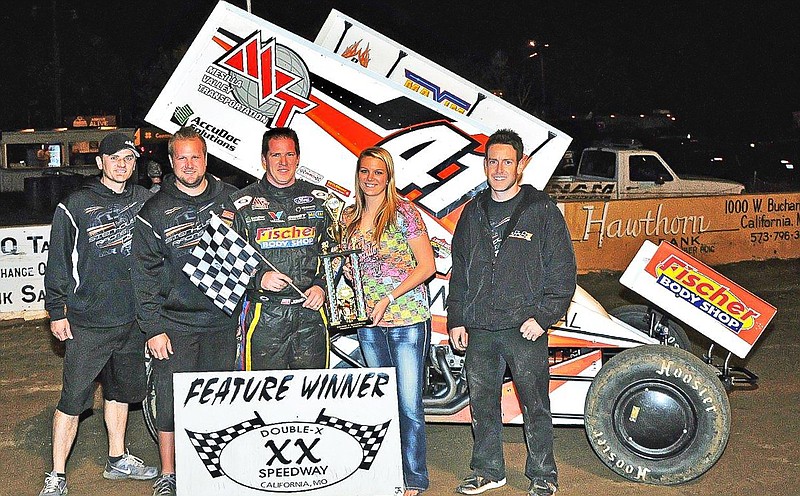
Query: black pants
[[282, 337], [204, 351], [488, 353]]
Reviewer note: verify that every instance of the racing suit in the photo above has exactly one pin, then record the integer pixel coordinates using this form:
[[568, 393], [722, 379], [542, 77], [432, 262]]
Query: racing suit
[[288, 226]]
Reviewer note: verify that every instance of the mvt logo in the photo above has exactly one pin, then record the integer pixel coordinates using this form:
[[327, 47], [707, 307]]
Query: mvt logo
[[429, 89], [289, 456], [265, 76]]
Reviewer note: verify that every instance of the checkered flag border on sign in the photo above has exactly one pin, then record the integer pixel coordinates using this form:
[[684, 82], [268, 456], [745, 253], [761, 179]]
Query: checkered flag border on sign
[[209, 445], [370, 437], [222, 264]]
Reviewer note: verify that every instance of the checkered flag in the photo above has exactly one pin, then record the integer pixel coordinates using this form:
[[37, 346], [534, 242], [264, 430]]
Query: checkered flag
[[222, 264], [369, 437], [210, 444]]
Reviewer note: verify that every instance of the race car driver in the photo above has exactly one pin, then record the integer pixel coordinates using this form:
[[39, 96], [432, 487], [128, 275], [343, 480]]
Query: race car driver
[[282, 216]]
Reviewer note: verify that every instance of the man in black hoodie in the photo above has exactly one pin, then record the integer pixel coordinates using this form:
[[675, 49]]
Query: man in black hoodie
[[89, 299], [186, 332], [513, 276]]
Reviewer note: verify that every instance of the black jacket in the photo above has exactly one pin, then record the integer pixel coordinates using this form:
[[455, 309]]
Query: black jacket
[[533, 274], [167, 229], [88, 276], [288, 226]]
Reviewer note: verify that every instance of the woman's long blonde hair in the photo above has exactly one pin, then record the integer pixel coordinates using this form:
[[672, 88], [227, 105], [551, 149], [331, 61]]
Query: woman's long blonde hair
[[387, 211]]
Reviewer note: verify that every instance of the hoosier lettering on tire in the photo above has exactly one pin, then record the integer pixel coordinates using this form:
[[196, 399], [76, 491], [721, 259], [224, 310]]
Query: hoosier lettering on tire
[[657, 414]]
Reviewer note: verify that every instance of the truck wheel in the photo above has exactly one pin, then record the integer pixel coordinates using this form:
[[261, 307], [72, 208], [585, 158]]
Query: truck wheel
[[149, 403], [657, 414], [638, 316]]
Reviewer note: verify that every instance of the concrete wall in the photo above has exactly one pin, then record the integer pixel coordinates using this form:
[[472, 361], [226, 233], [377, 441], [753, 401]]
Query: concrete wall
[[713, 229]]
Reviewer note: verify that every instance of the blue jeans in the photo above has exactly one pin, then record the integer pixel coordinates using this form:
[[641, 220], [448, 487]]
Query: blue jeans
[[405, 349]]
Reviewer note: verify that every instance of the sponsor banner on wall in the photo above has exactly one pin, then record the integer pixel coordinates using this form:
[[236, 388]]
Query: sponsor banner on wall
[[315, 432], [699, 296], [23, 261], [714, 229], [362, 45]]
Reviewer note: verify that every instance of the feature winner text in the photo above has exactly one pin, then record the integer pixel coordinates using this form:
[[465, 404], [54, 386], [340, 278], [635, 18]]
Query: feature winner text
[[212, 390]]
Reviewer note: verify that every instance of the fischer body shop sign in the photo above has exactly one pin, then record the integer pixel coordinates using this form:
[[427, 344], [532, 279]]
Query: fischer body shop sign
[[699, 296], [315, 432], [361, 45], [243, 75]]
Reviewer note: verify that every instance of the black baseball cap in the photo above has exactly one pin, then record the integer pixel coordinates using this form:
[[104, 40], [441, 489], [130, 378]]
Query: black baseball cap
[[115, 142]]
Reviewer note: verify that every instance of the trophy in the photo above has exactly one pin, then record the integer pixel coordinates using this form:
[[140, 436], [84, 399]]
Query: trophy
[[345, 305]]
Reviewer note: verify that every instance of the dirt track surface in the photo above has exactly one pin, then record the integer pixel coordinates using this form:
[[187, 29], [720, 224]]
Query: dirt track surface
[[762, 457]]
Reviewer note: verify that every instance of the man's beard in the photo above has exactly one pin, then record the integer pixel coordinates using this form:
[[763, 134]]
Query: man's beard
[[191, 185]]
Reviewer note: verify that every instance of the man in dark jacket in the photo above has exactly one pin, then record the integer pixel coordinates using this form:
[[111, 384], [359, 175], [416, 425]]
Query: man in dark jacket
[[185, 331], [513, 276], [284, 218], [89, 299]]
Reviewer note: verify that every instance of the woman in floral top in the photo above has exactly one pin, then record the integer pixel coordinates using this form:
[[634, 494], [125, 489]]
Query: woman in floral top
[[396, 259]]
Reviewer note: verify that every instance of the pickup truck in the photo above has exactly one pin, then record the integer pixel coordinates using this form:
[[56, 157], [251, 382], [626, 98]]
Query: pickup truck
[[626, 172]]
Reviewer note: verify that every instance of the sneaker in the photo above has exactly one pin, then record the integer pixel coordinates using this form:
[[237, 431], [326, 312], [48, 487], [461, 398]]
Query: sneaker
[[129, 467], [542, 487], [54, 485], [165, 485], [476, 484]]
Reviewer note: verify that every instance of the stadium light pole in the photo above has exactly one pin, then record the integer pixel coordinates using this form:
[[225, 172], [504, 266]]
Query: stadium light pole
[[538, 51]]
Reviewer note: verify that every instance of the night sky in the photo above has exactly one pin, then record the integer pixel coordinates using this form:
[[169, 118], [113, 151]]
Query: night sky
[[721, 67]]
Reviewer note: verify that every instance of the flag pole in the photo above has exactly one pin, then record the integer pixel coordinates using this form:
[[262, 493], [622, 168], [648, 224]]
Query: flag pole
[[264, 259]]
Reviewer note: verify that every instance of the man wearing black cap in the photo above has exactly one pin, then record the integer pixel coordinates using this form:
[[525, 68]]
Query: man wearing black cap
[[89, 299], [154, 173]]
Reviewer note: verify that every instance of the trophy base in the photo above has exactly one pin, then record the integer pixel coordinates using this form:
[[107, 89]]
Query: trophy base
[[348, 326]]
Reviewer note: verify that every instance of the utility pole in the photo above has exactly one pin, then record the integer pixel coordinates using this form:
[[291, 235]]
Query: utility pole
[[56, 75], [538, 48]]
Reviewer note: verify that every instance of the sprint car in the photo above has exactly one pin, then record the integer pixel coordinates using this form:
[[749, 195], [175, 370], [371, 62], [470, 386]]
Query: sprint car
[[653, 412]]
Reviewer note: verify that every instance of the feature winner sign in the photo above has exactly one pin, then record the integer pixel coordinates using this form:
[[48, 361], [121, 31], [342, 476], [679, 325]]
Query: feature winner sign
[[698, 295], [319, 432]]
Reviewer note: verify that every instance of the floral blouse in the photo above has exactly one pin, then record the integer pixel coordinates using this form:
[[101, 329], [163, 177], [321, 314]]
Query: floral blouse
[[386, 264]]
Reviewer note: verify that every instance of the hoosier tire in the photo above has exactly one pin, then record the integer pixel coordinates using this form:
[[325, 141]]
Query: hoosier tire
[[657, 414], [638, 316]]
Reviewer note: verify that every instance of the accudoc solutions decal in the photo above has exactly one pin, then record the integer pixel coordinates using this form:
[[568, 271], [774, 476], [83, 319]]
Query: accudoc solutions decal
[[705, 289], [184, 115]]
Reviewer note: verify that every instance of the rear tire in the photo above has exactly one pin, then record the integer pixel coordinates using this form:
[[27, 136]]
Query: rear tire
[[657, 414]]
